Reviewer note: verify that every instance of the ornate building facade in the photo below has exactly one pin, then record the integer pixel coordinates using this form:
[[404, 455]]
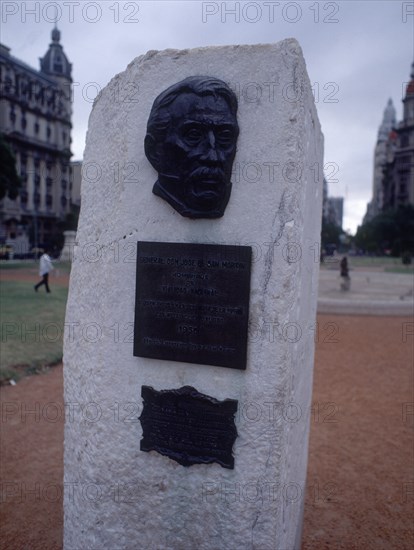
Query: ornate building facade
[[393, 181], [398, 171], [35, 120], [389, 121]]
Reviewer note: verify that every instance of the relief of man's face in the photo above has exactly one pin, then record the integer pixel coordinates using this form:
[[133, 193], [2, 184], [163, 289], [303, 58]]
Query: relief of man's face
[[194, 160]]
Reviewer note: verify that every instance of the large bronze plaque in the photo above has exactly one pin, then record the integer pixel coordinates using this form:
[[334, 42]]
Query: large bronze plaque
[[192, 303], [188, 427]]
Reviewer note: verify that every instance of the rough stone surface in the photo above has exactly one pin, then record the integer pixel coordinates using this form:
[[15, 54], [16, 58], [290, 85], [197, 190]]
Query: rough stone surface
[[125, 498]]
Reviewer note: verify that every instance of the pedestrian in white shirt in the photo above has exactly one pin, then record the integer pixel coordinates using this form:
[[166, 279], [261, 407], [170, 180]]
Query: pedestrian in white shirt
[[44, 268]]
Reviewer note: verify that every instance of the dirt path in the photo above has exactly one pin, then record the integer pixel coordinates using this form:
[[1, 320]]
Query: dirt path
[[361, 470], [360, 492], [31, 468]]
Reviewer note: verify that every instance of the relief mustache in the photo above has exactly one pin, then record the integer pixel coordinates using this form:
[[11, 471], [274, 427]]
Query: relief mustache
[[213, 174]]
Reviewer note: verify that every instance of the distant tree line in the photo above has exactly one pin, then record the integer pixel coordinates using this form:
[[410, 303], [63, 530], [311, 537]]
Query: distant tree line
[[330, 235], [390, 232]]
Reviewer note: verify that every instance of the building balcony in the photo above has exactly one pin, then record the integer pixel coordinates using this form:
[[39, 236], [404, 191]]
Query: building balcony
[[50, 147]]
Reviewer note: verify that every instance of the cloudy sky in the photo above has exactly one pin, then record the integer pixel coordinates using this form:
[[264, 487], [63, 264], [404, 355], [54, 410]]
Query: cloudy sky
[[358, 54]]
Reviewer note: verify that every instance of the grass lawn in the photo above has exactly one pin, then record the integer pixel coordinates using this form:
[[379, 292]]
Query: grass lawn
[[387, 263], [408, 269], [18, 264], [31, 327], [380, 263], [370, 261], [31, 264]]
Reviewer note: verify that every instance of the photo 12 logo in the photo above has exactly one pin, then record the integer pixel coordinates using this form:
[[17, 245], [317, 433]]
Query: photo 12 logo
[[269, 12], [71, 12]]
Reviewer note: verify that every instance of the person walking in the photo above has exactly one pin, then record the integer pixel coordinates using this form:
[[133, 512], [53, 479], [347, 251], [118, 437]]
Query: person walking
[[345, 278], [44, 269]]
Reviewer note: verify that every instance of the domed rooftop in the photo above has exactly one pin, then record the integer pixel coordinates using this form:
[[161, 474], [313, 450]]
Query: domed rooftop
[[55, 61]]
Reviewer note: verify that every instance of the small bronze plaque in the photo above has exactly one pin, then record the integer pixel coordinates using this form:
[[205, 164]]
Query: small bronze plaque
[[188, 427], [192, 303]]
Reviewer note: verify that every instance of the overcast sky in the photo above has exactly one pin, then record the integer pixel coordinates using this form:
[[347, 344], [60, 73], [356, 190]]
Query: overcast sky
[[358, 54]]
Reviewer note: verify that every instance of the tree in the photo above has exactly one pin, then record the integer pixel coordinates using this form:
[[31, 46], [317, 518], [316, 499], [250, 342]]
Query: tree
[[391, 230], [9, 179], [330, 234]]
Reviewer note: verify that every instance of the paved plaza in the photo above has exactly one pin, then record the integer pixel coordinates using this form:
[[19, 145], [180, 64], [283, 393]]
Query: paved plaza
[[372, 292]]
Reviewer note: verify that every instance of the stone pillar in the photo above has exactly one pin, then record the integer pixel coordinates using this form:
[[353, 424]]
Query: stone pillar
[[69, 245], [117, 495]]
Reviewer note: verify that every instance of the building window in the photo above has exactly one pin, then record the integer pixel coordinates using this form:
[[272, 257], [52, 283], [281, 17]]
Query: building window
[[36, 127], [40, 96], [7, 84], [36, 199], [405, 140], [12, 115], [49, 201], [24, 122], [57, 65], [63, 201], [48, 132], [404, 163], [64, 184]]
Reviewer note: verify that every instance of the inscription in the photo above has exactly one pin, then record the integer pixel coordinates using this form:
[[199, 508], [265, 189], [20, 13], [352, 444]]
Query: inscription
[[188, 427], [192, 303]]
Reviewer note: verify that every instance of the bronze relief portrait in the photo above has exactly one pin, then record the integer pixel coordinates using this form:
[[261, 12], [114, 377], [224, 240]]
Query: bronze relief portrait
[[191, 142]]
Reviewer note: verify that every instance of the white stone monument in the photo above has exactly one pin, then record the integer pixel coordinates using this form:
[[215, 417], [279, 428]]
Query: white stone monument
[[116, 495], [68, 247]]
